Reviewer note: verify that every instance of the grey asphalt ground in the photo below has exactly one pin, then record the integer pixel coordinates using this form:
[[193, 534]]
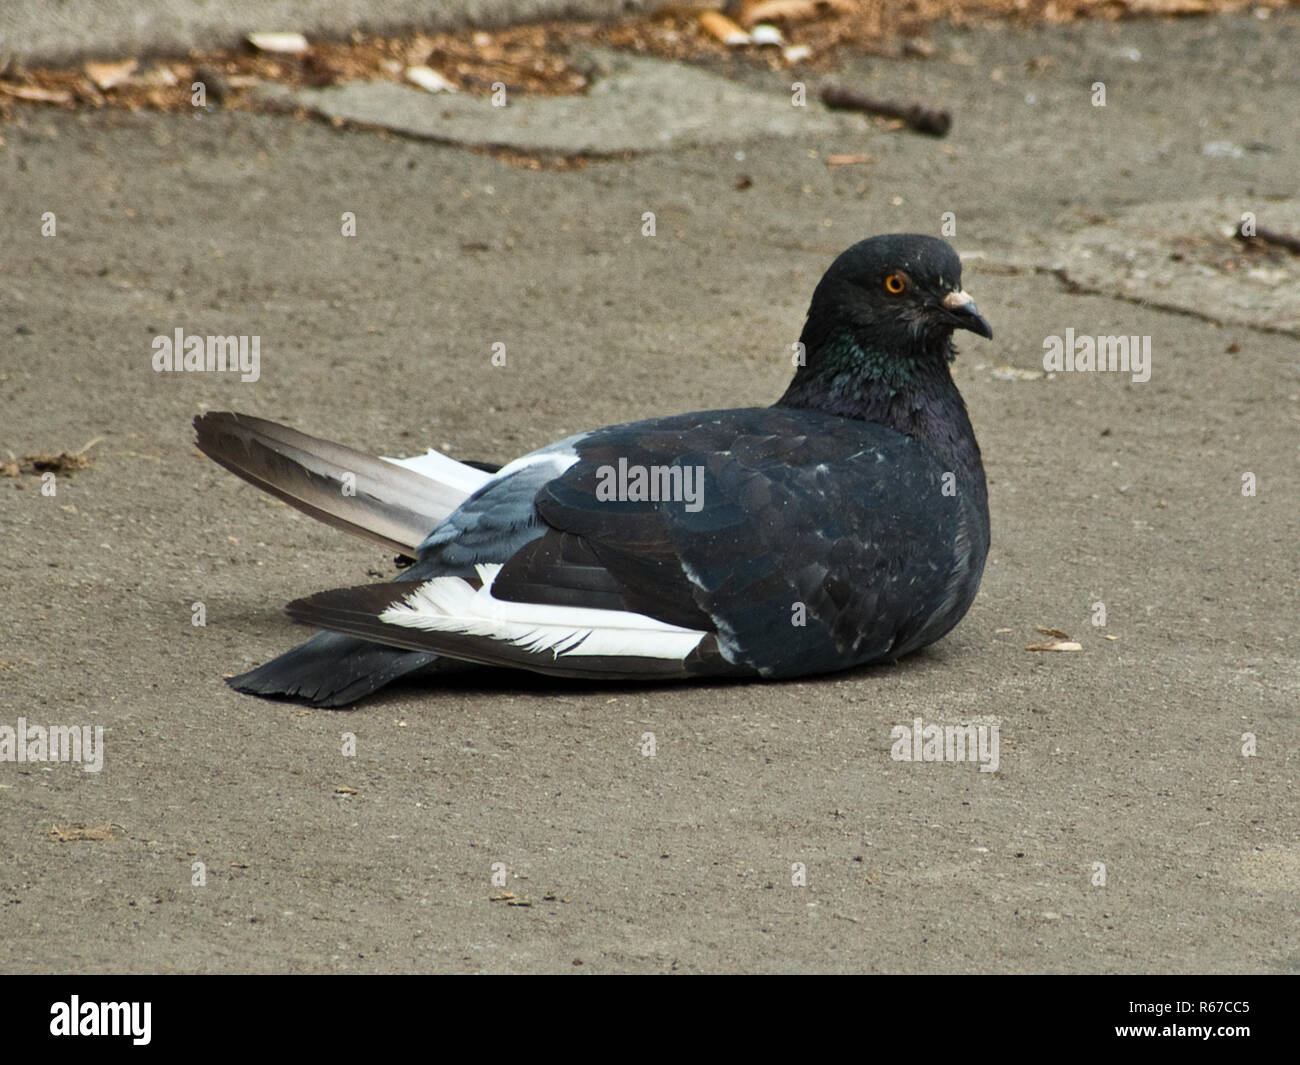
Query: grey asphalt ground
[[1124, 759]]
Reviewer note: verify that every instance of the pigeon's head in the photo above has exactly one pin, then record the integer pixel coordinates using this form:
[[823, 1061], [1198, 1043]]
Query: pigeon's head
[[898, 293]]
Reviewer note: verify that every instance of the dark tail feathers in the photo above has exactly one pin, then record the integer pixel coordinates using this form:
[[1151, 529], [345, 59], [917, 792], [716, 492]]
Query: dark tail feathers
[[332, 670]]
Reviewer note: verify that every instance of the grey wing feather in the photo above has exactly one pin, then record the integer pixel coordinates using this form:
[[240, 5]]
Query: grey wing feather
[[384, 502], [499, 518]]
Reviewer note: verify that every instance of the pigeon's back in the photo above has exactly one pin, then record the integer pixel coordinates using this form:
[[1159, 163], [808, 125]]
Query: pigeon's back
[[810, 542]]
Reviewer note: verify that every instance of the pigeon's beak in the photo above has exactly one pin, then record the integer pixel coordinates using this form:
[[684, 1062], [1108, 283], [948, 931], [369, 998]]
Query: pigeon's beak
[[965, 315]]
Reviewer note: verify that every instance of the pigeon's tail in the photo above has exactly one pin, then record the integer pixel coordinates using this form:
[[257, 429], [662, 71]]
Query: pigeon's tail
[[333, 670], [395, 502]]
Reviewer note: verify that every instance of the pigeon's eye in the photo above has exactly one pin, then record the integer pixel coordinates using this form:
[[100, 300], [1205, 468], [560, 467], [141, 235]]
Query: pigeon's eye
[[897, 283]]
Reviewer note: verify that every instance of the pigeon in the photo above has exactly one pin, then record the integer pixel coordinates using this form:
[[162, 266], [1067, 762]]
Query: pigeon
[[845, 525]]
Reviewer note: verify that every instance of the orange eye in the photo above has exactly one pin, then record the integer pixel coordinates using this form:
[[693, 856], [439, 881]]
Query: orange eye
[[896, 283]]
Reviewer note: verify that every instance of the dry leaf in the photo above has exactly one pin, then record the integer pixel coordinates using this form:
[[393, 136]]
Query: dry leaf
[[42, 96], [1054, 632], [287, 43], [106, 75], [686, 9], [785, 10], [161, 77], [723, 29], [48, 462], [60, 463], [429, 79], [1167, 7]]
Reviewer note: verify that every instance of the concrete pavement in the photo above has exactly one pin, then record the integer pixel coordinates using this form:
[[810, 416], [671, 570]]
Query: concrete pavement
[[1128, 828]]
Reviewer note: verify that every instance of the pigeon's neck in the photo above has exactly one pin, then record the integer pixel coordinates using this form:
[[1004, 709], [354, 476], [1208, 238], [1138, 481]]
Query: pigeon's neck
[[914, 395]]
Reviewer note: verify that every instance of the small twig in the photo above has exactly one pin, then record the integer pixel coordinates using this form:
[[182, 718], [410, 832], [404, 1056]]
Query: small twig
[[1269, 236], [934, 121]]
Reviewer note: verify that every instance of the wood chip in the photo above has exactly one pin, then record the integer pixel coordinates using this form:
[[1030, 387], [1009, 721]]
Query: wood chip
[[1055, 645], [849, 160], [344, 790]]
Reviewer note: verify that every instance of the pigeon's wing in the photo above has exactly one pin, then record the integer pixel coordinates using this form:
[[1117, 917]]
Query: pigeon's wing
[[730, 542], [578, 624], [444, 603], [807, 543]]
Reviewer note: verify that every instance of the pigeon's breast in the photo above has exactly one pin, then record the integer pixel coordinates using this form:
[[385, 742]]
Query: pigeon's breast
[[856, 558]]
